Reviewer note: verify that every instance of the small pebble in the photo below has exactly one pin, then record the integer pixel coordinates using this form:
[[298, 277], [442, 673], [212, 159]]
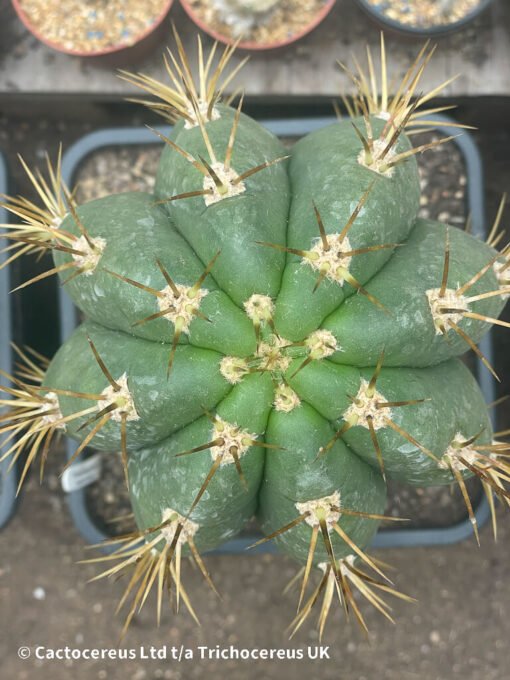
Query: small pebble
[[435, 637], [39, 593]]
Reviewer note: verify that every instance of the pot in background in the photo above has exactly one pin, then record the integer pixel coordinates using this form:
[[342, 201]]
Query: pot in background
[[426, 32], [117, 55], [256, 46]]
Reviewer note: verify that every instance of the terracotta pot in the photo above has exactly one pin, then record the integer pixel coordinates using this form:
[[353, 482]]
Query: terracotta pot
[[144, 42], [255, 46]]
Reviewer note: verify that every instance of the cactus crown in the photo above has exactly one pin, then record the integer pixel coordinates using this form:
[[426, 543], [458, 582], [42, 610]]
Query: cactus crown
[[185, 98], [40, 223], [405, 104]]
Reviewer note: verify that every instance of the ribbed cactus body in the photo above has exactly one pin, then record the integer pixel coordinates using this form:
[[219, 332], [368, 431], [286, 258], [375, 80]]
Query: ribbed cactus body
[[245, 232], [163, 406], [272, 334], [295, 476], [324, 170], [234, 226], [457, 406], [161, 479], [408, 335], [136, 233]]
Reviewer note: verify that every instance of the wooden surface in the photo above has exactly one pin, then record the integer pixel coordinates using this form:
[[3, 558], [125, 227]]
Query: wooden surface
[[479, 53]]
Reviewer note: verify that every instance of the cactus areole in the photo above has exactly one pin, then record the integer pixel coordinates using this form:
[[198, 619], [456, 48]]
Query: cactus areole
[[273, 333]]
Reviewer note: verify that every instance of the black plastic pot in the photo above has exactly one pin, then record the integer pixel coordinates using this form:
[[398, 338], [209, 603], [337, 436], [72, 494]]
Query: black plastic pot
[[432, 32], [88, 469], [8, 478]]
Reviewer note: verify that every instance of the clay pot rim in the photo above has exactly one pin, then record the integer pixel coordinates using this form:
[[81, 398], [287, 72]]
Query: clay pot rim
[[84, 53], [255, 46]]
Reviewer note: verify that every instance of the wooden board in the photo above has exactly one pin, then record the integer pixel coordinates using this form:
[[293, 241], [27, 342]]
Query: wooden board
[[480, 54]]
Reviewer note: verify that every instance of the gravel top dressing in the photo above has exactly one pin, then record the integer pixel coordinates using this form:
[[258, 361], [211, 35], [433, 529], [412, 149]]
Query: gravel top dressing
[[265, 22], [94, 25], [425, 13]]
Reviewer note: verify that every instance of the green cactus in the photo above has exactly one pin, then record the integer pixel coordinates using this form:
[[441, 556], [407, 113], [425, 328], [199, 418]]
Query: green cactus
[[273, 332]]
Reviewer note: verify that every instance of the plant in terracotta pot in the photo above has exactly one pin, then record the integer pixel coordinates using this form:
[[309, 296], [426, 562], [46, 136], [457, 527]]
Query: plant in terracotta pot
[[95, 28], [257, 24]]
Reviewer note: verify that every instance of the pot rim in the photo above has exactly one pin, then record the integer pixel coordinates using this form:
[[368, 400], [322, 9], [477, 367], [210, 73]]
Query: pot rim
[[84, 53], [255, 46], [432, 31]]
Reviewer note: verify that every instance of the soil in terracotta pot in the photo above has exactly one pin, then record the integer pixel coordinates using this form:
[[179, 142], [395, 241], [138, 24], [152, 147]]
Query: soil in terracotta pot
[[266, 23], [94, 25]]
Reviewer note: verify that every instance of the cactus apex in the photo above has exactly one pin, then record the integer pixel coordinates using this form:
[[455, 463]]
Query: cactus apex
[[33, 416], [350, 575], [152, 563], [373, 97], [220, 181], [285, 400], [184, 98], [265, 327], [39, 224], [323, 516], [488, 462], [448, 306]]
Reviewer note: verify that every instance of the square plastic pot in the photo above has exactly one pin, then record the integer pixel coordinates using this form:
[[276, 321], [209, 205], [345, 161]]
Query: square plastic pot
[[8, 478]]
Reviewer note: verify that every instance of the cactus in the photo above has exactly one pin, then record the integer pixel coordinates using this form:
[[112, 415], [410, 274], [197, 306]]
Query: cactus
[[244, 15], [272, 333], [253, 7]]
